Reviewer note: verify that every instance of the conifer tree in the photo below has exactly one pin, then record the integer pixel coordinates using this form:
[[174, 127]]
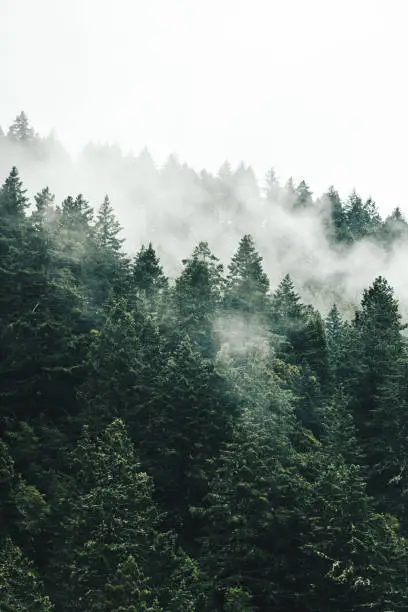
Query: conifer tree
[[337, 334], [247, 283], [148, 273], [304, 196], [376, 366], [338, 225], [107, 228], [45, 206], [105, 266], [287, 318], [20, 130], [13, 201], [362, 217], [294, 529], [394, 228], [112, 549], [192, 404], [197, 297], [20, 587], [122, 363]]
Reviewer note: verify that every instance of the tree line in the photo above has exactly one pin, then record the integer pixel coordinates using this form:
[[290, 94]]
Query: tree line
[[208, 443]]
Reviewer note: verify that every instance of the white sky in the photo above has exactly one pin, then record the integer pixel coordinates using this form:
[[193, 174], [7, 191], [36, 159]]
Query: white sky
[[316, 88]]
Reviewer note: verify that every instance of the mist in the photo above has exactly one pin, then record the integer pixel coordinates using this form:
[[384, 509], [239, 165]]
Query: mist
[[175, 207]]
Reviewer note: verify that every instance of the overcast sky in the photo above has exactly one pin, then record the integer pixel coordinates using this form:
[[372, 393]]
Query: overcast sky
[[316, 88]]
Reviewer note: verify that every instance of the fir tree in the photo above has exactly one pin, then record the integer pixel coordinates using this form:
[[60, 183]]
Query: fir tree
[[304, 196], [197, 297], [338, 225], [247, 283], [111, 544], [20, 129], [148, 273]]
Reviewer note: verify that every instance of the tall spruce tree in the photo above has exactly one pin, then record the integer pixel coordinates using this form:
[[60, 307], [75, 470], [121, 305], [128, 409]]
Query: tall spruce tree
[[377, 354], [111, 548], [191, 402], [197, 297], [247, 283], [148, 274]]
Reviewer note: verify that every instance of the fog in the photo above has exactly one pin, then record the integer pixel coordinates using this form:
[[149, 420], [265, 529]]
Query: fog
[[175, 207]]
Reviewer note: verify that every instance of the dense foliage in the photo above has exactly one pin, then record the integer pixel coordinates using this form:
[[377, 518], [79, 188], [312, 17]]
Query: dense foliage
[[208, 443]]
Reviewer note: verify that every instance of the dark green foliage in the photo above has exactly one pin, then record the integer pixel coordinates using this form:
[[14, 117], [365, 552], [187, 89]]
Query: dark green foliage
[[197, 297], [379, 347], [293, 530], [105, 267], [107, 228], [247, 283], [199, 445], [111, 550], [338, 338], [124, 359], [13, 201], [300, 329], [22, 508], [287, 318], [362, 217], [191, 403], [148, 273], [20, 588]]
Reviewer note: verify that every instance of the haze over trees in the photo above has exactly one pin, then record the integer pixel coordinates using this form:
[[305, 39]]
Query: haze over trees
[[202, 441]]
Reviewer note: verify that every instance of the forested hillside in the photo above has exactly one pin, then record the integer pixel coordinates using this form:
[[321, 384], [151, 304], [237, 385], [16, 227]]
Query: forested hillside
[[206, 441]]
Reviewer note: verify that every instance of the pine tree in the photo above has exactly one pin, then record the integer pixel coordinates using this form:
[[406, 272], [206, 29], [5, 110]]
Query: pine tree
[[74, 235], [110, 547], [377, 354], [339, 430], [394, 228], [122, 363], [107, 228], [20, 129], [13, 201], [197, 297], [148, 273], [338, 225], [314, 346], [250, 531], [13, 228], [304, 196], [192, 404], [247, 284], [44, 207], [363, 218], [287, 318], [296, 531], [105, 265]]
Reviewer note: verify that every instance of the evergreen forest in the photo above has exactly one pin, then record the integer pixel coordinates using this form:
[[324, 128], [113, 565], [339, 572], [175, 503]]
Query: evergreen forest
[[202, 441]]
